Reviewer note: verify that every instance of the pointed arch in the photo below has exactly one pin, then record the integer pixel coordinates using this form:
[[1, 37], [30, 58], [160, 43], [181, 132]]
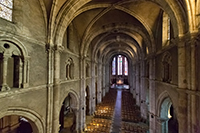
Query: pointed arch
[[30, 114]]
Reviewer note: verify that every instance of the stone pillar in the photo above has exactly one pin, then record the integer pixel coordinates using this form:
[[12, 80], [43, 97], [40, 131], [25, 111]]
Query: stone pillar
[[49, 110], [99, 87], [182, 108], [5, 69], [137, 89], [93, 90], [143, 90], [56, 90], [193, 101], [103, 81], [82, 94], [108, 74], [134, 81], [152, 95], [26, 67]]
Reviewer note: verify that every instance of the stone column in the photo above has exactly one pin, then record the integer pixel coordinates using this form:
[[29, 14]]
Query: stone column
[[99, 87], [193, 101], [93, 90], [82, 93], [5, 69], [134, 82], [26, 72], [56, 90], [108, 74], [152, 94], [137, 89], [182, 108], [104, 80], [49, 110], [143, 89]]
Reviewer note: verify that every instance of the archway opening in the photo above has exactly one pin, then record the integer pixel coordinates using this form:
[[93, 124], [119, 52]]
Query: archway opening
[[87, 101], [173, 122], [119, 73], [17, 124], [67, 118], [168, 119], [96, 94]]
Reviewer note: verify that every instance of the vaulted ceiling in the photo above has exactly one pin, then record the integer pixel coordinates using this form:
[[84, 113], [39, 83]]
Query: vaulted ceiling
[[109, 27]]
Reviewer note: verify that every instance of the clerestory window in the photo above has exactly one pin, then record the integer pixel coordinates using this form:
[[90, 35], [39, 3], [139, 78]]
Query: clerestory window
[[166, 30], [6, 8]]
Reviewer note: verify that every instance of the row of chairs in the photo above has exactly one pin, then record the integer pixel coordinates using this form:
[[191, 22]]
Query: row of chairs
[[101, 123], [131, 118]]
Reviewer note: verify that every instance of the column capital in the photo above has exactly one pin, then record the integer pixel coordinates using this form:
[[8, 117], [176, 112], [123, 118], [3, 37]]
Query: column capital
[[6, 56], [58, 48]]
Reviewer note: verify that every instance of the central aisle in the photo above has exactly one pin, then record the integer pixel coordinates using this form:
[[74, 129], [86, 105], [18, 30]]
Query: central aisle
[[118, 113], [116, 125]]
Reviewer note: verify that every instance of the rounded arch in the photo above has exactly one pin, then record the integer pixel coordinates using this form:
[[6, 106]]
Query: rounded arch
[[65, 19], [74, 99], [16, 42], [166, 114], [29, 114], [122, 28], [160, 100]]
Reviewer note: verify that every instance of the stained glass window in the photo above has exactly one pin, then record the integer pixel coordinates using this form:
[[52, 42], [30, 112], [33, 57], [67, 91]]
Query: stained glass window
[[119, 65], [114, 66], [6, 7], [125, 66]]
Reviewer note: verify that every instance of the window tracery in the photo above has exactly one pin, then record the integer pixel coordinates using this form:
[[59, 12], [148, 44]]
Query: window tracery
[[167, 67]]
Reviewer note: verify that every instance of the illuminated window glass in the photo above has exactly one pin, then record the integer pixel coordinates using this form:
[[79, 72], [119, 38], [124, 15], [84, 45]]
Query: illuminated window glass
[[119, 65], [114, 66], [125, 66], [6, 7], [168, 31]]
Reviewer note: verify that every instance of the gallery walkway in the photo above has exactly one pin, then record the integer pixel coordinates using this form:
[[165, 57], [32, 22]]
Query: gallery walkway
[[117, 113]]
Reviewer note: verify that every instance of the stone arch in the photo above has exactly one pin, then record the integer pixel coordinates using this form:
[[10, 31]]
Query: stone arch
[[164, 104], [36, 121], [65, 19], [14, 54], [70, 111], [75, 99], [136, 50], [16, 42], [122, 29]]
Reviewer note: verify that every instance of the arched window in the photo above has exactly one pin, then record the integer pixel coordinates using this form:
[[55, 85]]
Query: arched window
[[69, 69], [125, 66], [6, 7], [166, 32], [167, 67], [114, 66], [14, 66], [119, 65]]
